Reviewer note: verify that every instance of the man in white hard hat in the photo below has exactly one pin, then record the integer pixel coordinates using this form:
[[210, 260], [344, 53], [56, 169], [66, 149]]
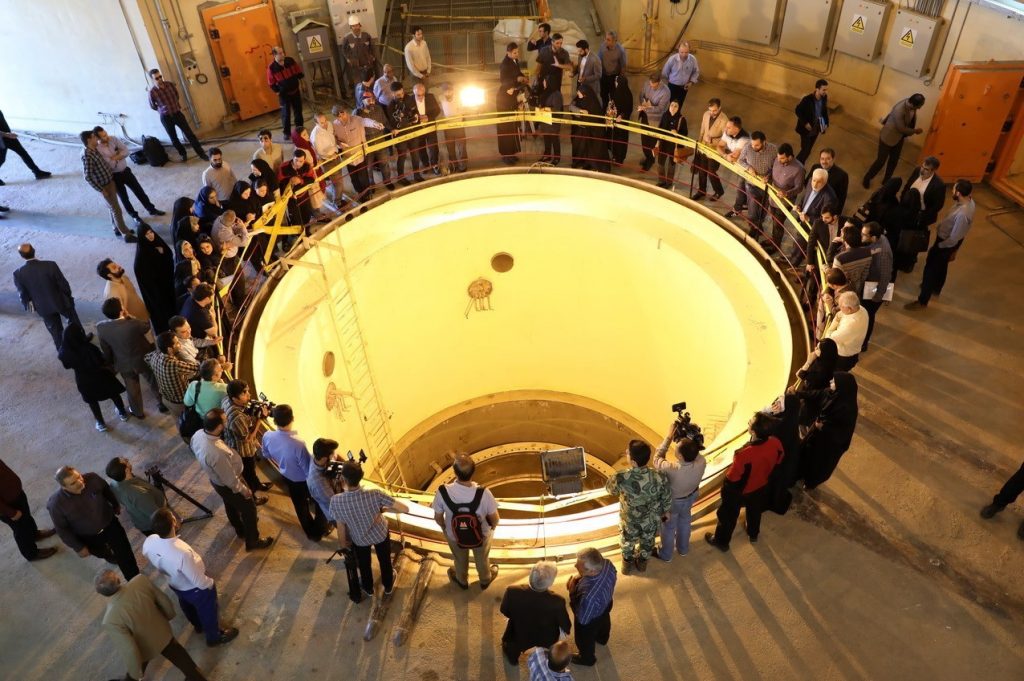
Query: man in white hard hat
[[358, 50]]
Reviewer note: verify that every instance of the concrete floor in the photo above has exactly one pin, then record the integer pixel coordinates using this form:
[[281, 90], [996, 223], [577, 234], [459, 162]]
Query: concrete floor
[[887, 572]]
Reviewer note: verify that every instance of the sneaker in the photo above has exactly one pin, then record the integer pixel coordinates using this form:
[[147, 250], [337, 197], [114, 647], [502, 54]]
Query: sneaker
[[263, 543], [641, 565], [100, 426], [368, 593], [455, 580], [914, 305], [223, 636], [123, 415], [710, 539], [494, 573], [990, 511], [388, 592]]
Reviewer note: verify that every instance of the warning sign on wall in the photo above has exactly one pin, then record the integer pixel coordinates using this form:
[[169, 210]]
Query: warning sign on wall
[[858, 23], [314, 44], [908, 36]]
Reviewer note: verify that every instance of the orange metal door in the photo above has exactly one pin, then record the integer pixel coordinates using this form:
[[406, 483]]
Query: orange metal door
[[242, 37], [975, 102]]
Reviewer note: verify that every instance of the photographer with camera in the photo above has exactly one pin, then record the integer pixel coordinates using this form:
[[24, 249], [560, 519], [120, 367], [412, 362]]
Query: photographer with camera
[[242, 432], [684, 476], [321, 485], [746, 482], [283, 447], [361, 525], [645, 498], [137, 496]]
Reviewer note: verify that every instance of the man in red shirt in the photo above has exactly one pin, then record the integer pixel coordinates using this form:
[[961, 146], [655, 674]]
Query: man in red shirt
[[746, 482]]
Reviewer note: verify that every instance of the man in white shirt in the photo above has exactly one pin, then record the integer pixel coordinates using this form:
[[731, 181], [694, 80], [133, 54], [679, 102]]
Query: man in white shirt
[[417, 57], [684, 475], [115, 152], [454, 138], [848, 330], [186, 575], [325, 144], [465, 497]]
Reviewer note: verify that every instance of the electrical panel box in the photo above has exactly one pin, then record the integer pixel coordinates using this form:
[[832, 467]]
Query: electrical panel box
[[805, 26], [755, 22], [860, 28], [910, 42], [314, 41], [369, 12]]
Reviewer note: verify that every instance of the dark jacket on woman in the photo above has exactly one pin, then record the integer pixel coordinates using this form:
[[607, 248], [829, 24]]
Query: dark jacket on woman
[[825, 445], [95, 380], [815, 378], [672, 124], [206, 210]]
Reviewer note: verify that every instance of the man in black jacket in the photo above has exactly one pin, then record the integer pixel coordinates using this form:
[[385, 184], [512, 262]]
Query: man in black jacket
[[812, 118], [838, 179], [401, 114], [283, 76], [43, 288], [536, 617], [932, 189], [427, 110], [9, 140]]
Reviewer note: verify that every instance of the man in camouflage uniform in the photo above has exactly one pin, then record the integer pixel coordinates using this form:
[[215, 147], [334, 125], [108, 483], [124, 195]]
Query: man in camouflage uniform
[[645, 497]]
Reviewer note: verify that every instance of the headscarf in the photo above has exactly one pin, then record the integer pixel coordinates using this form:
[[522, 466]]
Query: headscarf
[[839, 410], [623, 98], [241, 206], [206, 261], [184, 231], [301, 143], [266, 172], [184, 266], [587, 100], [182, 208], [206, 210], [154, 275], [76, 352]]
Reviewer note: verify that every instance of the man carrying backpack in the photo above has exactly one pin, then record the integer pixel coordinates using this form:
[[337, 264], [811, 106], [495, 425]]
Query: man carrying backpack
[[468, 514]]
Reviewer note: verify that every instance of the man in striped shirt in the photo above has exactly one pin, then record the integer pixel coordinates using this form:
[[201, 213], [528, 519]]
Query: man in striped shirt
[[163, 98], [101, 178], [590, 597], [757, 158]]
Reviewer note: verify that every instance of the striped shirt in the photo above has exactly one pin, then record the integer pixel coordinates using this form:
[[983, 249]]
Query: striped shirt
[[359, 511], [759, 162], [172, 375], [96, 169], [592, 594], [163, 98]]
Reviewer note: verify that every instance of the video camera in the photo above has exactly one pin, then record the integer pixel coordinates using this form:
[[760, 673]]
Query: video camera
[[333, 468], [259, 409], [685, 428]]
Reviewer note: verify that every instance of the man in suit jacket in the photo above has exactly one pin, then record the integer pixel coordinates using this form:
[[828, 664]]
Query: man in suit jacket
[[42, 287], [588, 69], [136, 621], [932, 189], [838, 178], [125, 344], [809, 204], [427, 110], [897, 126], [812, 118]]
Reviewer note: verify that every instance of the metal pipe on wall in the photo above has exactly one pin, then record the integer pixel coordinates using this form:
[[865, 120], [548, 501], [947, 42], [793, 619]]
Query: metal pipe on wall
[[176, 58]]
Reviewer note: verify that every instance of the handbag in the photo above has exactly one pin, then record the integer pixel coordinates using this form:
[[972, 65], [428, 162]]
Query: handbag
[[913, 241], [682, 153], [190, 421]]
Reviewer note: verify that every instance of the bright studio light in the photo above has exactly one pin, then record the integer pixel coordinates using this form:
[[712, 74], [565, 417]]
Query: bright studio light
[[471, 96]]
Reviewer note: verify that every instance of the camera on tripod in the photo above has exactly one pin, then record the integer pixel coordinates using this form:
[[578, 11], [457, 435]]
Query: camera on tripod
[[685, 428], [259, 409], [333, 468]]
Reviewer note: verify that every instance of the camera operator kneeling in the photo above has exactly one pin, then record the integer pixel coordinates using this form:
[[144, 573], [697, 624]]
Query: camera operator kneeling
[[746, 482]]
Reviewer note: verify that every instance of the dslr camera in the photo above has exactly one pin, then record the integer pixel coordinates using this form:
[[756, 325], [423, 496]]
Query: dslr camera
[[333, 469], [685, 428], [259, 409]]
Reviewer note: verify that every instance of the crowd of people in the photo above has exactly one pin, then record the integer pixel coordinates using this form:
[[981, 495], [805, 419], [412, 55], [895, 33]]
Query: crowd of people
[[162, 326]]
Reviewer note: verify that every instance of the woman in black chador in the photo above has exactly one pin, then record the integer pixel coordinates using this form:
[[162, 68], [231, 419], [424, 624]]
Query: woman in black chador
[[830, 436]]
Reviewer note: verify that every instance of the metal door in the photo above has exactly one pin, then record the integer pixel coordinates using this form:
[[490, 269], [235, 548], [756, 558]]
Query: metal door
[[968, 121], [243, 38]]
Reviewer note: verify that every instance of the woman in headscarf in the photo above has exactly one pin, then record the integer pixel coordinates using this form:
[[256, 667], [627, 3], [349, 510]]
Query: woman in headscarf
[[187, 229], [832, 432], [905, 217], [207, 208], [300, 138], [885, 199], [620, 108], [589, 146], [815, 376], [674, 123], [154, 275], [186, 266], [95, 380], [241, 202], [182, 208], [260, 169], [206, 254]]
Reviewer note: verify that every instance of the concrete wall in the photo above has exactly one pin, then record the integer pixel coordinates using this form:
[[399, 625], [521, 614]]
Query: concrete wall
[[68, 59], [865, 90]]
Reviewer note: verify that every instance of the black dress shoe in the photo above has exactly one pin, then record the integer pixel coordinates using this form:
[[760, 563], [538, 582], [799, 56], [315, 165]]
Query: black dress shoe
[[130, 239], [990, 511], [225, 636], [389, 186], [418, 178], [204, 157], [184, 158], [42, 175], [260, 544], [258, 500], [157, 212], [162, 408], [43, 554], [710, 538], [698, 196], [45, 534], [404, 182], [264, 486], [577, 660]]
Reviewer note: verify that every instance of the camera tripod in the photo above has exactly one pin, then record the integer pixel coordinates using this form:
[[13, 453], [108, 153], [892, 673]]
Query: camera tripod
[[159, 481]]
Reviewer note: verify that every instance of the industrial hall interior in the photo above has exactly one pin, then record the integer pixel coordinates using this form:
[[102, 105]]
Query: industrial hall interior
[[473, 340]]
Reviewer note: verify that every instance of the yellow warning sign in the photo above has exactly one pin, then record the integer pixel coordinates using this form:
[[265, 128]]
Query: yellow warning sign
[[907, 36], [858, 23], [314, 44]]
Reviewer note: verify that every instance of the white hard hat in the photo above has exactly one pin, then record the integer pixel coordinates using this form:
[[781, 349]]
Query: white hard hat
[[353, 20]]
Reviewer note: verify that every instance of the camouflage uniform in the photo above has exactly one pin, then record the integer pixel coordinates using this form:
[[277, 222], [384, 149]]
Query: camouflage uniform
[[644, 496]]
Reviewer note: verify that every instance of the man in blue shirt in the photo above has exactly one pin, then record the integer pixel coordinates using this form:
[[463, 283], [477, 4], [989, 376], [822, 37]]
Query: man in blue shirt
[[284, 448], [550, 664], [590, 597], [948, 237], [680, 72]]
